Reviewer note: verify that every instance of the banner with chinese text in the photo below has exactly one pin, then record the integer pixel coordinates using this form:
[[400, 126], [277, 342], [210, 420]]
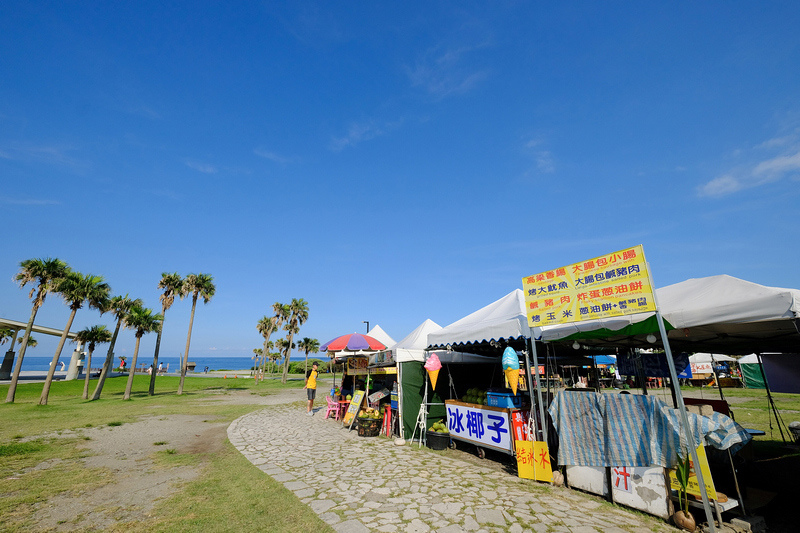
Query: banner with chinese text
[[483, 426], [615, 284]]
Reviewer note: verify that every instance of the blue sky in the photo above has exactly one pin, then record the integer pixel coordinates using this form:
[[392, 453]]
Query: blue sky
[[390, 163]]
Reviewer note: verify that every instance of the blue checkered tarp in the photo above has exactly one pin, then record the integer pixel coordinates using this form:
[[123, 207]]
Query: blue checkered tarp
[[632, 430]]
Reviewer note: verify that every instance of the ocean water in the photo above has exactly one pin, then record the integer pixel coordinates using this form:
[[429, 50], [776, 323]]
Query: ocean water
[[42, 364]]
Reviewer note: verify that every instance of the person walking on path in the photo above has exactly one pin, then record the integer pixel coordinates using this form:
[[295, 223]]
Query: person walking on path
[[311, 387]]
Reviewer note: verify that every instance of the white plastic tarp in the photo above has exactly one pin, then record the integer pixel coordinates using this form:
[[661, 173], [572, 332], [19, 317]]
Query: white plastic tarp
[[710, 358], [502, 319]]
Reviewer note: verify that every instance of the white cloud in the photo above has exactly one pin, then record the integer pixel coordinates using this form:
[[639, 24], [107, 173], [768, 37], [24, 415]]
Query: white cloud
[[778, 165], [27, 201], [53, 154], [272, 156], [201, 167], [760, 169], [362, 131], [445, 73], [721, 186], [545, 162]]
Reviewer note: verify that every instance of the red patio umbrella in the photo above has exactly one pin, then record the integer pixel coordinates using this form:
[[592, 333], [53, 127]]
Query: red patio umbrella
[[353, 342]]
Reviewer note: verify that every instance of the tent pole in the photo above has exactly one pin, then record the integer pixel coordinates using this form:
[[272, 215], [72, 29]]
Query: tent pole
[[771, 405], [716, 378], [542, 419], [673, 375], [529, 381], [685, 419]]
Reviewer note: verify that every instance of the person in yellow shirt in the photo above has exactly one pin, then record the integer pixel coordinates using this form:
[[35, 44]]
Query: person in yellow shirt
[[311, 387]]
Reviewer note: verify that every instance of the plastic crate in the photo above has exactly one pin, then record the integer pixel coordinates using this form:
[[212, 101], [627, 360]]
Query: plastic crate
[[504, 399]]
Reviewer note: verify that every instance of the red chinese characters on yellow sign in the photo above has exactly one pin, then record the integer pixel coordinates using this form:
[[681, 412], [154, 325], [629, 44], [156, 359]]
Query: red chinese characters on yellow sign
[[610, 285]]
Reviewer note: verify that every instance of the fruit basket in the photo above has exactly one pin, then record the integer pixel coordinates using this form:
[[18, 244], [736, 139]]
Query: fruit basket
[[369, 427], [437, 441]]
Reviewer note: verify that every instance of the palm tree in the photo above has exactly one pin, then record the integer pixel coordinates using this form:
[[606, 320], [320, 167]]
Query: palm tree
[[120, 306], [274, 357], [93, 336], [258, 355], [75, 288], [6, 335], [284, 348], [32, 342], [268, 326], [196, 285], [143, 321], [309, 346], [171, 283], [298, 317], [44, 272]]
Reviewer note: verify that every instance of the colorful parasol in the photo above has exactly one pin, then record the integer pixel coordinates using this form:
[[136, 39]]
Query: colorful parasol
[[352, 342]]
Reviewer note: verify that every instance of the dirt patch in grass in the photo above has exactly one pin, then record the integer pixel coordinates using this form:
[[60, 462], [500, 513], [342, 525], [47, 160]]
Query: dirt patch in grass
[[139, 455]]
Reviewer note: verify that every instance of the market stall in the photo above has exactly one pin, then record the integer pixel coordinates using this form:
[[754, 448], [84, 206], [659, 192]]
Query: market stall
[[352, 351], [481, 398]]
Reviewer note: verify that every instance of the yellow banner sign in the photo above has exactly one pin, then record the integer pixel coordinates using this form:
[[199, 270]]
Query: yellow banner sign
[[524, 450], [615, 284], [354, 407], [694, 487], [533, 460]]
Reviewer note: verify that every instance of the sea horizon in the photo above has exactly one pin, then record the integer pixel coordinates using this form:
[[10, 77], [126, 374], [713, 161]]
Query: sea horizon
[[171, 363]]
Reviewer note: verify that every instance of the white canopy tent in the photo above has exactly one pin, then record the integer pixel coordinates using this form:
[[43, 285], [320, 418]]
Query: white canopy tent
[[719, 314], [412, 346], [377, 333], [502, 319], [710, 358]]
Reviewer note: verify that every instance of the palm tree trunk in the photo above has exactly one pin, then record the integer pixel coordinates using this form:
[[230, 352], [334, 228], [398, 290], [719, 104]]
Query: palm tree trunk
[[12, 389], [107, 364], [88, 369], [265, 354], [152, 390], [51, 372], [186, 352], [129, 386], [286, 362]]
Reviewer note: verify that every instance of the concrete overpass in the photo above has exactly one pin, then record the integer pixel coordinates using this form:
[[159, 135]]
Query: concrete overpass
[[15, 327]]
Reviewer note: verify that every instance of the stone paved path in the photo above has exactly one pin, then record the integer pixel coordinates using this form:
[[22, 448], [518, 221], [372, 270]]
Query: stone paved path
[[359, 484]]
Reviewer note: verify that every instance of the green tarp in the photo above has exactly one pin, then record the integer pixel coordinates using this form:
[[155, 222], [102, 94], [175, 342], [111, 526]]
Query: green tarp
[[413, 390], [648, 325], [752, 375]]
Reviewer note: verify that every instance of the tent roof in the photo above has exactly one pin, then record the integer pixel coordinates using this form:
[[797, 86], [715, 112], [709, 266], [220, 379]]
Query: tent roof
[[749, 359], [502, 319], [710, 358], [720, 314], [412, 346], [418, 339], [377, 333]]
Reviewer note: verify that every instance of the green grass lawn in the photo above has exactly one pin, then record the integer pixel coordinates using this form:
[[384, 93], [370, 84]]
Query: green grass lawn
[[231, 493]]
